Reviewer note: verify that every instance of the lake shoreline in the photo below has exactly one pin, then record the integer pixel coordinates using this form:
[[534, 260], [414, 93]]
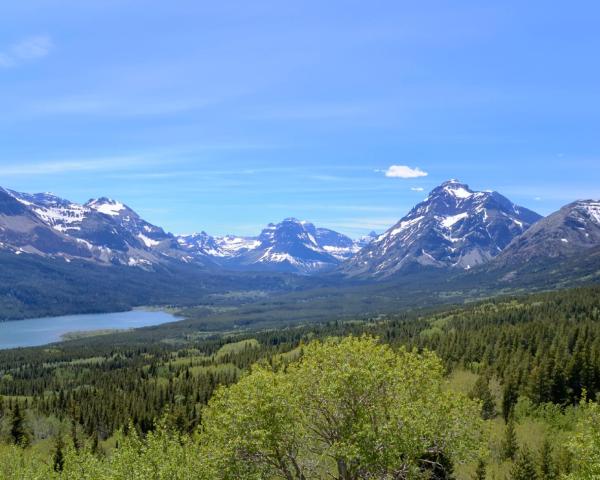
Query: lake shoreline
[[35, 332]]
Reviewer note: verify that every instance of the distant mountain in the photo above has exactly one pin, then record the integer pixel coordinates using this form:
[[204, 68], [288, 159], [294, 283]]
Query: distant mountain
[[107, 231], [571, 230], [289, 246], [22, 231], [367, 239], [102, 230], [454, 227]]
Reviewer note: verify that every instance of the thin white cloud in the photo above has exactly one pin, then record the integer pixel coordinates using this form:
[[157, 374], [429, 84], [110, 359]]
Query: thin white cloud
[[111, 106], [417, 189], [67, 166], [318, 111], [363, 224], [28, 49], [403, 171]]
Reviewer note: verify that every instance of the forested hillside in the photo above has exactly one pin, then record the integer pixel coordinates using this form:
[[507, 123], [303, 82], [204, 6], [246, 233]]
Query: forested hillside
[[529, 360]]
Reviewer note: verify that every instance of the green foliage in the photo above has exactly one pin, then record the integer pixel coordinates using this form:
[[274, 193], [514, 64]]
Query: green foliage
[[524, 466], [481, 391], [352, 406], [480, 471], [19, 434], [584, 444], [162, 455], [99, 385], [509, 444], [547, 467], [58, 457]]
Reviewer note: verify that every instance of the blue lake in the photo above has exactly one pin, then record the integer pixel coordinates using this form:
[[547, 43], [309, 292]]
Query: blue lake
[[39, 331]]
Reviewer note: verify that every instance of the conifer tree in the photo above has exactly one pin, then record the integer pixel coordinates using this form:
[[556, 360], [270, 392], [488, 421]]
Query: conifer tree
[[524, 467], [58, 457], [18, 430], [74, 436], [547, 466], [481, 391], [509, 444], [480, 471], [509, 399]]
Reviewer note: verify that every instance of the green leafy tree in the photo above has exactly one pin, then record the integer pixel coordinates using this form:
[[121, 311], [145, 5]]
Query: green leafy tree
[[524, 466], [584, 444], [353, 407]]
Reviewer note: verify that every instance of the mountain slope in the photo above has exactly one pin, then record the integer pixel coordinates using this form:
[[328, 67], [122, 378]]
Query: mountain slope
[[22, 231], [454, 227], [289, 246], [569, 231], [102, 230]]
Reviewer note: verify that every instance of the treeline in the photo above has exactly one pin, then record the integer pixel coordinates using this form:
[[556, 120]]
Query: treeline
[[33, 286], [545, 347]]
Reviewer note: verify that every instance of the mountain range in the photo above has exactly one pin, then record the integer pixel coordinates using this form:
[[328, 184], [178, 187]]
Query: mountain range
[[454, 228]]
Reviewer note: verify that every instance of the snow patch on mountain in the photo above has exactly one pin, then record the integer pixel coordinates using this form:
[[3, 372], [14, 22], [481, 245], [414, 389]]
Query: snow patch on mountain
[[106, 206], [148, 241], [452, 219], [453, 227]]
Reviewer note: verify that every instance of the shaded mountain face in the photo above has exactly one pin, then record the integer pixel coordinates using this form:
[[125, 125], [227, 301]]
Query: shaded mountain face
[[291, 245], [572, 229], [22, 231], [454, 227], [108, 231], [102, 230]]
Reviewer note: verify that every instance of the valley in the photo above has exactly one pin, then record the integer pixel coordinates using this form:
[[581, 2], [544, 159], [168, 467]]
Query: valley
[[458, 244], [497, 305], [299, 240]]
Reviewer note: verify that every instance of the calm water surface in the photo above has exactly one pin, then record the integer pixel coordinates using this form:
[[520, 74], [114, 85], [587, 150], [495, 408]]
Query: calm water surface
[[39, 331]]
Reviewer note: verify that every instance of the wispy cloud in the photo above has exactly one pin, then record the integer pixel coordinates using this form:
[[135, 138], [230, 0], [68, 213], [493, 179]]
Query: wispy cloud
[[28, 49], [417, 189], [362, 225], [318, 111], [403, 171], [67, 166], [112, 106]]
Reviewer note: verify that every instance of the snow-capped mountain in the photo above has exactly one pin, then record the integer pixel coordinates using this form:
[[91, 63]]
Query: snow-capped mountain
[[232, 245], [108, 231], [572, 229], [454, 227], [291, 245], [102, 229], [201, 244], [22, 231], [366, 239]]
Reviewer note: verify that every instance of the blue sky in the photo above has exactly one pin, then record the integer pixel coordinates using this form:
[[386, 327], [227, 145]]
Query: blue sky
[[224, 116]]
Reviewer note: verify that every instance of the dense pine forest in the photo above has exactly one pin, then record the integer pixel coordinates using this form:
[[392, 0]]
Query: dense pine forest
[[528, 366]]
